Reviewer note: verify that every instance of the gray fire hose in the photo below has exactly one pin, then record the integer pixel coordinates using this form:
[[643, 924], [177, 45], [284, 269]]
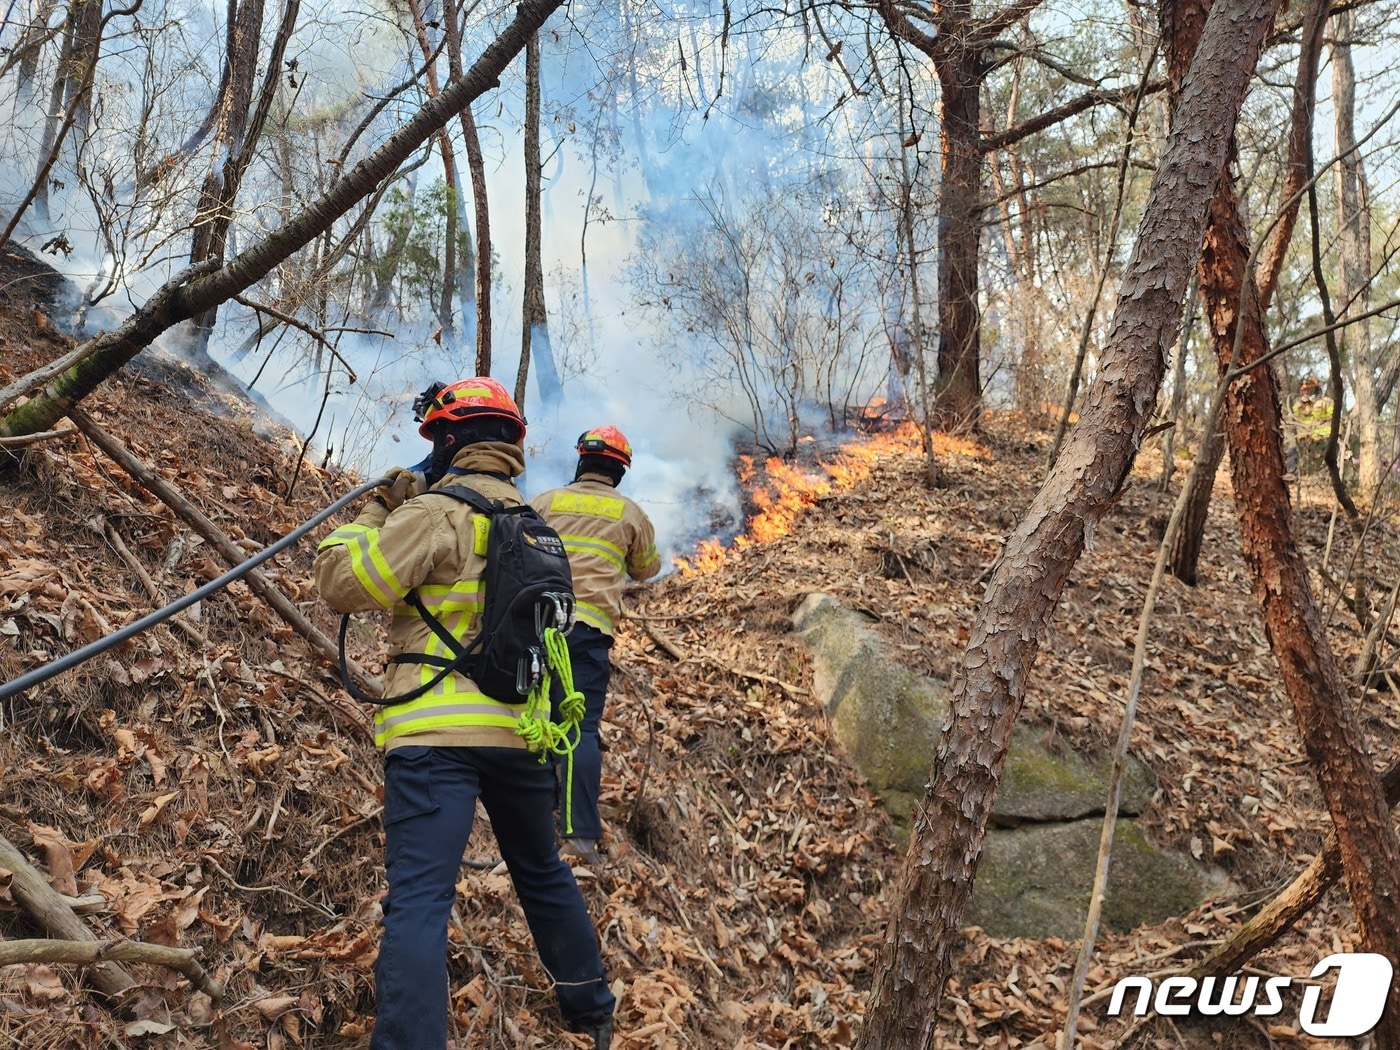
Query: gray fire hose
[[87, 652]]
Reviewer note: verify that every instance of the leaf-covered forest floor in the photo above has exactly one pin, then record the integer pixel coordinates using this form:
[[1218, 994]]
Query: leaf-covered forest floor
[[226, 796]]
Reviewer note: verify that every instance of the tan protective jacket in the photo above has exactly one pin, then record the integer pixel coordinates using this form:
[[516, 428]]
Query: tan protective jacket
[[608, 537], [438, 545]]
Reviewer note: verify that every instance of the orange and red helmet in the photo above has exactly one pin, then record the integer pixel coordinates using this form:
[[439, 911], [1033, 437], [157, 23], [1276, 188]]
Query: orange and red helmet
[[605, 441], [475, 398]]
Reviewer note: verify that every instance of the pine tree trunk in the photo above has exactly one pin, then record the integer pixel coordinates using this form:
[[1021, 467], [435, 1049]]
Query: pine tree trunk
[[959, 394], [214, 213], [1314, 684], [1181, 26], [1186, 547], [1039, 555]]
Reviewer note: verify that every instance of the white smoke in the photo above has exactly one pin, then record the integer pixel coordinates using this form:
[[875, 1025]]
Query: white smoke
[[620, 133]]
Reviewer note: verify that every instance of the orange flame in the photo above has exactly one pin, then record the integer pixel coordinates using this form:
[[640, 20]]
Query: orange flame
[[784, 491]]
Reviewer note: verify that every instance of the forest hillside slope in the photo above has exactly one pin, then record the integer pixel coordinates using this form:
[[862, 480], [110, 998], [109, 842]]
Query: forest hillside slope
[[224, 795]]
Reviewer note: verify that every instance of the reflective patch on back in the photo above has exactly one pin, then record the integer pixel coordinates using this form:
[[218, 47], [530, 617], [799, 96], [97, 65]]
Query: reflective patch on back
[[587, 503]]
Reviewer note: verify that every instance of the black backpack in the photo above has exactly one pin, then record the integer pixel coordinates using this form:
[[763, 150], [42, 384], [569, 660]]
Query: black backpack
[[528, 589]]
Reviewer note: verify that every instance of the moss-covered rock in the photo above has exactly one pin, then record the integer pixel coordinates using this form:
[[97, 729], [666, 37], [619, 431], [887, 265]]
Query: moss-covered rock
[[1038, 863], [888, 719], [1035, 881], [1041, 782]]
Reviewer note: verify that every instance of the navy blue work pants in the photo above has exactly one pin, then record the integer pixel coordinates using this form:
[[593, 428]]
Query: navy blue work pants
[[588, 654], [430, 798]]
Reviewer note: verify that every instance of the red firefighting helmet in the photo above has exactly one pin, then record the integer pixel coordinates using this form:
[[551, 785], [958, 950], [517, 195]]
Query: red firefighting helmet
[[475, 398], [605, 441]]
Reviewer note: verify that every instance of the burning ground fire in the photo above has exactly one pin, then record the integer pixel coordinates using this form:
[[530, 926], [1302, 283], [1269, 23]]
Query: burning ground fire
[[781, 491]]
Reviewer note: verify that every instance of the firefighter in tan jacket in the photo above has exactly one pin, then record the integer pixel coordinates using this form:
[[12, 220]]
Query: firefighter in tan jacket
[[609, 539], [453, 745]]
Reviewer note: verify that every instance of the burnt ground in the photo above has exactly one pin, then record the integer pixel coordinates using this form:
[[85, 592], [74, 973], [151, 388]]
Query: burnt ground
[[225, 796]]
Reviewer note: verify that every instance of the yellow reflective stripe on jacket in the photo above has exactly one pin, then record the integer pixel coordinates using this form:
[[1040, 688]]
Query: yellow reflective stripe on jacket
[[643, 561], [576, 544], [587, 503], [367, 561], [593, 615], [467, 708]]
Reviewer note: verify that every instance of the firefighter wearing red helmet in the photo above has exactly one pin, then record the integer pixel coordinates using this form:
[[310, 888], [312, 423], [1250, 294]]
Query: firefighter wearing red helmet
[[454, 744], [609, 539]]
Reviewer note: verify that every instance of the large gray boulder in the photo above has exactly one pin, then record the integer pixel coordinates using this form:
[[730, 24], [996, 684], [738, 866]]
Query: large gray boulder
[[889, 719], [1041, 847]]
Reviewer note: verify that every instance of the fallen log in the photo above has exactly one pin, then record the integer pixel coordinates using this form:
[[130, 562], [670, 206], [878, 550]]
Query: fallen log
[[32, 892], [94, 953]]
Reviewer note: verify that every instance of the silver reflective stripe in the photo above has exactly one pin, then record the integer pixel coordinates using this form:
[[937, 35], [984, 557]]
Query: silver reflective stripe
[[392, 719]]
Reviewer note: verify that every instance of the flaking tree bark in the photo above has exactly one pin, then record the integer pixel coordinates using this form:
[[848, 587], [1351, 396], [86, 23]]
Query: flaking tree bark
[[1332, 739], [1312, 680], [198, 289], [1026, 585], [1183, 30]]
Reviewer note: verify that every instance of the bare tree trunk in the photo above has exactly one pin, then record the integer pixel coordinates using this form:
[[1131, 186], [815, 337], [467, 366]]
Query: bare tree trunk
[[906, 215], [1183, 346], [959, 397], [1354, 224], [214, 213], [82, 39], [27, 52], [476, 166], [1186, 547], [449, 170], [964, 50], [1039, 555], [534, 318], [1335, 746], [196, 290]]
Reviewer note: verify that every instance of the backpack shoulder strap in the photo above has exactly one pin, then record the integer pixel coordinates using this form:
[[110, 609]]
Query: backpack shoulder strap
[[469, 496], [460, 652]]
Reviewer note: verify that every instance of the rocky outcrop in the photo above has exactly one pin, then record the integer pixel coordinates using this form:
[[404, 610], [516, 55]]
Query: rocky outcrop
[[1038, 859]]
